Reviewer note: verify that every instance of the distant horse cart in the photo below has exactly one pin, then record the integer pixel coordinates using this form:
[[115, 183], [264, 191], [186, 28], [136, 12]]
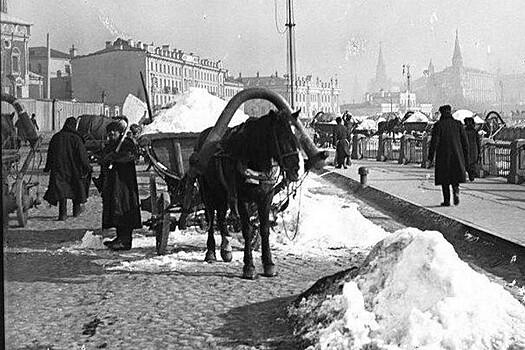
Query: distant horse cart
[[19, 191], [323, 125], [232, 169]]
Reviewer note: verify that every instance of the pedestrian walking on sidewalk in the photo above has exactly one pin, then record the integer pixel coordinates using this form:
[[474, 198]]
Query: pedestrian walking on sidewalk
[[341, 141], [118, 184], [70, 171], [474, 148], [449, 145]]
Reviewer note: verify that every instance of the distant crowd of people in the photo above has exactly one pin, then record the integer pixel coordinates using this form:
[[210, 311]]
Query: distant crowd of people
[[455, 150]]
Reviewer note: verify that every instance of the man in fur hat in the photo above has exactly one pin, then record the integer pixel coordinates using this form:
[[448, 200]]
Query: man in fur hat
[[120, 195], [450, 146]]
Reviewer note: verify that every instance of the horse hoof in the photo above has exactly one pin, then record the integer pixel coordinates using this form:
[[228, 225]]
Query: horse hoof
[[270, 271], [249, 274], [210, 257], [226, 256]]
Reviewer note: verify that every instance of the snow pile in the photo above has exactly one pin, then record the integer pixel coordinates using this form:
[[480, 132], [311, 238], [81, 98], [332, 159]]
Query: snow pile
[[192, 111], [417, 117], [367, 124], [413, 292], [323, 223], [464, 113], [90, 241]]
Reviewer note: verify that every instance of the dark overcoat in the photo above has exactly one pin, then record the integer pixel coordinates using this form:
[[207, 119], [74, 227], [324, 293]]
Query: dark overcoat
[[68, 164], [450, 146], [474, 145], [341, 139], [120, 193]]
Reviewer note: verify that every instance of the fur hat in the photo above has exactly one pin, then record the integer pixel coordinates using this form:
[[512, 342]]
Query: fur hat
[[445, 109], [115, 125]]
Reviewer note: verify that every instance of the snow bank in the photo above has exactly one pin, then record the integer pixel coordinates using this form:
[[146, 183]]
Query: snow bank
[[413, 292], [323, 222], [90, 241], [367, 124], [192, 111], [417, 117]]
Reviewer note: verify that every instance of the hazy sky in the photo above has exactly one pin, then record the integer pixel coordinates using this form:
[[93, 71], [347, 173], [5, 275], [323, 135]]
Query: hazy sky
[[333, 37]]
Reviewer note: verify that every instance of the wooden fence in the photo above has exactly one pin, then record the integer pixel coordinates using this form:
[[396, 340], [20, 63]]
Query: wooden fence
[[51, 114]]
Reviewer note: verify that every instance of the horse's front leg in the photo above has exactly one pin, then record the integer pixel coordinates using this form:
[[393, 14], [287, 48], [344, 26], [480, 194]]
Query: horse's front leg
[[264, 228], [226, 248], [210, 242], [248, 271]]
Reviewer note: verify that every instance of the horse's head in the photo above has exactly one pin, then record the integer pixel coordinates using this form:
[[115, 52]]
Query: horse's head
[[284, 144]]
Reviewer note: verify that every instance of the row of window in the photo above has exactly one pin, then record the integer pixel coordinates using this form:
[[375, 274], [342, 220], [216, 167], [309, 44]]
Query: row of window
[[188, 72]]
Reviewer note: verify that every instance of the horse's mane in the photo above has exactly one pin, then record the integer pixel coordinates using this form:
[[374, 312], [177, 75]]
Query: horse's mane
[[249, 142]]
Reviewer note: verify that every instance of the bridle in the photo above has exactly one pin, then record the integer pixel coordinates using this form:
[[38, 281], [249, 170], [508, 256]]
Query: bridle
[[280, 155]]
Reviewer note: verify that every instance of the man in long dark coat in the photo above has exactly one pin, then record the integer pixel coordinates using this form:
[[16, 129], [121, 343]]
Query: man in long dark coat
[[341, 140], [449, 145], [69, 168], [474, 148], [120, 194]]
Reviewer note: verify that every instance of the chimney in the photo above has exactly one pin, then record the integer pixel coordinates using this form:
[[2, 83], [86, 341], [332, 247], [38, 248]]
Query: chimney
[[257, 74], [276, 75], [72, 51], [108, 44], [240, 76]]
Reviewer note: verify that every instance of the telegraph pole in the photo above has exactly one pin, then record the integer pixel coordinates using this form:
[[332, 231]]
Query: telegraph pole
[[291, 49]]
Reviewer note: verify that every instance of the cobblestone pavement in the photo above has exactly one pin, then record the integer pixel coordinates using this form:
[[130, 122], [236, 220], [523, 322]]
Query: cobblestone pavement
[[58, 298]]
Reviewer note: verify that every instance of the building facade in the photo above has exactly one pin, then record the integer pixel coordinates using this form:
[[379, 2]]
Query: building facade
[[311, 95], [15, 34], [112, 73], [460, 86], [55, 68]]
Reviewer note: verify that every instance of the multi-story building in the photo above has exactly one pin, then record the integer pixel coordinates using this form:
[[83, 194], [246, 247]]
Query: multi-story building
[[112, 73], [311, 95], [55, 68], [457, 85], [15, 34]]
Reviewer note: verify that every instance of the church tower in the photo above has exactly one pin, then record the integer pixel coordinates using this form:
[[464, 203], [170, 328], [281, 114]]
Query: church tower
[[457, 59], [380, 68]]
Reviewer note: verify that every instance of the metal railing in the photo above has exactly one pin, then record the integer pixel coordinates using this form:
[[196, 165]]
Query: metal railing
[[496, 156]]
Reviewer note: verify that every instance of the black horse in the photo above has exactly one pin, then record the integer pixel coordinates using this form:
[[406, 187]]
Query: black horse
[[243, 172], [392, 125]]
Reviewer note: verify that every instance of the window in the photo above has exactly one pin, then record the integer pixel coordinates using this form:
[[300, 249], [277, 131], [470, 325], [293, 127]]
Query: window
[[15, 60]]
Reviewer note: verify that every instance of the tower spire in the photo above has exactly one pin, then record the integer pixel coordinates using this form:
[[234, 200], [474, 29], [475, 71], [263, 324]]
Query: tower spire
[[457, 59], [380, 69]]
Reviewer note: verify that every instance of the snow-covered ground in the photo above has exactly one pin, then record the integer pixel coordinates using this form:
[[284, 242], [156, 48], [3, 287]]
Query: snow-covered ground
[[412, 291]]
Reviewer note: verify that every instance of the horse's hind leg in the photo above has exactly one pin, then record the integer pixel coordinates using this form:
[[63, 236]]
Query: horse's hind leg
[[226, 248], [248, 271], [210, 243], [266, 254]]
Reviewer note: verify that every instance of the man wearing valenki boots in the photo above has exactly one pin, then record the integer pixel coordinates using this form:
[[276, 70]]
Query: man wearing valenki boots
[[450, 146], [118, 180]]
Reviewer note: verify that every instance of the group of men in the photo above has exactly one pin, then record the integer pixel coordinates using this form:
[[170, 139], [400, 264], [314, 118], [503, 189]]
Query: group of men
[[456, 149], [70, 179]]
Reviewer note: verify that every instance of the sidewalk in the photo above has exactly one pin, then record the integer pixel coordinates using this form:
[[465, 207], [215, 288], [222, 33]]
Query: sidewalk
[[490, 205]]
